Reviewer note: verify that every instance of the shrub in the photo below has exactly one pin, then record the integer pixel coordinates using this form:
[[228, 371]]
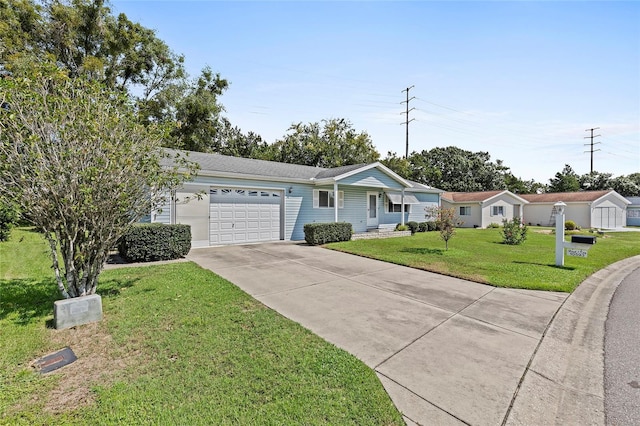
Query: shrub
[[413, 227], [322, 233], [155, 241], [514, 232], [570, 225], [432, 226], [400, 227], [494, 225], [423, 227], [8, 219]]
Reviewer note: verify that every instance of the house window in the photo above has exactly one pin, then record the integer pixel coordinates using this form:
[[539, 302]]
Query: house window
[[633, 213], [325, 199], [465, 211], [397, 208], [497, 210]]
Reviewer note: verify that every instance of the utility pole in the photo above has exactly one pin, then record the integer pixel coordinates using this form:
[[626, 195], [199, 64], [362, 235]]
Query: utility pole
[[591, 137], [408, 110]]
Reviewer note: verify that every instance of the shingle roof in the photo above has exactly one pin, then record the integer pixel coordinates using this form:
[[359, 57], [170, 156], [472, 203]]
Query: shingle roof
[[248, 166], [465, 197], [217, 163], [567, 197], [421, 186], [337, 171]]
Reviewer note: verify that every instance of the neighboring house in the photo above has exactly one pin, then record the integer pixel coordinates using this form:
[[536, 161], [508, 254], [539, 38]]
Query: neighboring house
[[633, 211], [246, 200], [481, 209], [588, 209]]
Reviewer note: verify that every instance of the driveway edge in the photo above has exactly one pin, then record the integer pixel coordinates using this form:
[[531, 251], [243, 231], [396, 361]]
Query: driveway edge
[[565, 381]]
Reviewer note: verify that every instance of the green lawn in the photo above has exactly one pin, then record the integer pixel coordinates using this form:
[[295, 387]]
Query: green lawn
[[178, 345], [479, 255]]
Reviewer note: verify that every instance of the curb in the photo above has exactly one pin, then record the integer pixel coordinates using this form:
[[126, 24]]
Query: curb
[[565, 381]]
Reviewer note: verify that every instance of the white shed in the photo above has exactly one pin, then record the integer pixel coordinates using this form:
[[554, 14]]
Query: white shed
[[588, 209], [481, 209]]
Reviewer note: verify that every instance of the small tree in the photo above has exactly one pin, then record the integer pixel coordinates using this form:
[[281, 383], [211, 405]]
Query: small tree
[[514, 232], [446, 222], [80, 168]]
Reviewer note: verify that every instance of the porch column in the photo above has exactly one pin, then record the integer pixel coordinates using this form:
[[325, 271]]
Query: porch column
[[336, 201], [402, 207]]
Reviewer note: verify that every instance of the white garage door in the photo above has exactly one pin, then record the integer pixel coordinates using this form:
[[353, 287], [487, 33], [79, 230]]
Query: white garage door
[[239, 215]]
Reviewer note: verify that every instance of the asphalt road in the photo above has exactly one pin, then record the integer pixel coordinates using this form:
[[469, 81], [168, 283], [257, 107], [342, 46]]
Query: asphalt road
[[622, 354]]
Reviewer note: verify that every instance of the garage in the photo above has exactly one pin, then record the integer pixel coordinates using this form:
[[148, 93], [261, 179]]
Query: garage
[[244, 215]]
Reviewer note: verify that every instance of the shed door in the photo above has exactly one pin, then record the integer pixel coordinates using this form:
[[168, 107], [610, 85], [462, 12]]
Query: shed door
[[606, 217], [239, 215]]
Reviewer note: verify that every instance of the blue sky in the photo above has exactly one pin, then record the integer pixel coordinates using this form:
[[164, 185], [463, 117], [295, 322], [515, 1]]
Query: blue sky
[[521, 80]]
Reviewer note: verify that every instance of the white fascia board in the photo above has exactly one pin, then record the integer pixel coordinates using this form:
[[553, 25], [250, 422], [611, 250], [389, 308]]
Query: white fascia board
[[522, 200], [614, 193]]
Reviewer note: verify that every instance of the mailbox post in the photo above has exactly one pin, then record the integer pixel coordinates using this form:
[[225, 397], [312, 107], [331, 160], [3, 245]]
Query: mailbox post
[[579, 245], [560, 232]]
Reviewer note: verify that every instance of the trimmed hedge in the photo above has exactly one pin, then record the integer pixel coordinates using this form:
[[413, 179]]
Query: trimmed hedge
[[322, 233], [413, 227], [148, 242], [423, 227]]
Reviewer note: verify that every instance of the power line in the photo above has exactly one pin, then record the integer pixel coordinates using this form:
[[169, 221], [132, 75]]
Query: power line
[[591, 137], [407, 121]]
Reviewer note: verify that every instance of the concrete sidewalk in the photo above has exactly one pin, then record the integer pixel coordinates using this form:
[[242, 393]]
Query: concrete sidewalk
[[565, 382]]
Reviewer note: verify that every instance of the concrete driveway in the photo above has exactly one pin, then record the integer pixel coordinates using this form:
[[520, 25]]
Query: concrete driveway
[[447, 351]]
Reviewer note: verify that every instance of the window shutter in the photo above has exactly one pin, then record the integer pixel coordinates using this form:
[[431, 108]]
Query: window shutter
[[340, 199], [316, 198]]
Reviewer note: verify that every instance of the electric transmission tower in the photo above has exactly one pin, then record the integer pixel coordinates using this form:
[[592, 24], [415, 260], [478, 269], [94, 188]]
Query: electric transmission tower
[[592, 143], [407, 121]]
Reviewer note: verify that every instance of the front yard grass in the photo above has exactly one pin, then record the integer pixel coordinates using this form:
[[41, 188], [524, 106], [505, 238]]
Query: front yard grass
[[479, 255], [177, 345]]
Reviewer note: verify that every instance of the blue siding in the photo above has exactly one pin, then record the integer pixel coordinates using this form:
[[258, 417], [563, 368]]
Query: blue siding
[[373, 179], [418, 213]]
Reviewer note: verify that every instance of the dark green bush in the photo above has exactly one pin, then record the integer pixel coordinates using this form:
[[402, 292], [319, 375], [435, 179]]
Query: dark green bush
[[423, 227], [9, 216], [431, 226], [148, 242], [514, 232], [322, 233], [413, 227]]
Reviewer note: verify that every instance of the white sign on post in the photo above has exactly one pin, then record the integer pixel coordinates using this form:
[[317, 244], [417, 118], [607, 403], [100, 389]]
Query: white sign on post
[[576, 252]]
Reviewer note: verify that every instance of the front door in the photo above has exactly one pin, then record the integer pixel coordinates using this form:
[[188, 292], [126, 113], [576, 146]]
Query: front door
[[372, 209]]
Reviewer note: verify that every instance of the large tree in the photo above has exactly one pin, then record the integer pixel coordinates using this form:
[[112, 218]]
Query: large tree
[[332, 143], [564, 181], [85, 38], [80, 167], [455, 169]]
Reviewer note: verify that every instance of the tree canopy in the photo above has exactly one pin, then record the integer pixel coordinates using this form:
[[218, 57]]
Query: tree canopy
[[331, 143], [80, 167]]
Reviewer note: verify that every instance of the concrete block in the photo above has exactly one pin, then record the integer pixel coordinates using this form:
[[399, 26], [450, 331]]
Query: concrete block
[[77, 311]]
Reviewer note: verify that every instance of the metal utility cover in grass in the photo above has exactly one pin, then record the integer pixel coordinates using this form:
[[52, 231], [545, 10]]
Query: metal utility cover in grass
[[56, 360]]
